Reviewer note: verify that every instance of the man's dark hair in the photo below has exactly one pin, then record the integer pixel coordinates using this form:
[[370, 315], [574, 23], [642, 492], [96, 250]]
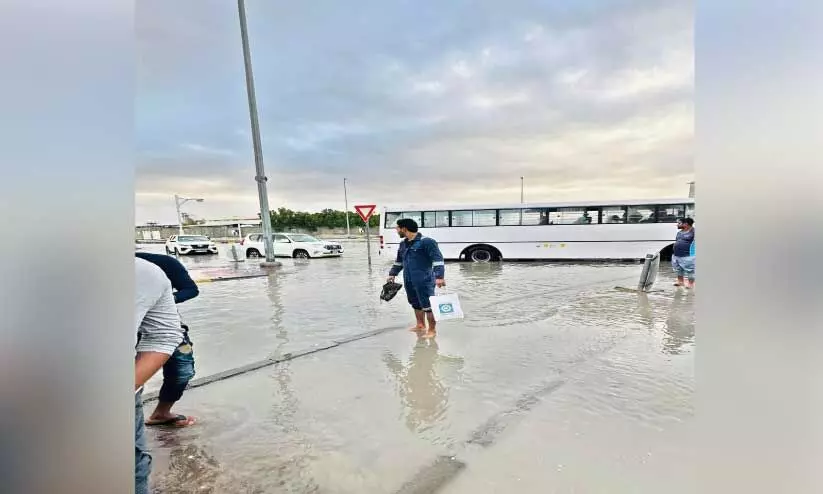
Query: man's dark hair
[[408, 223], [687, 221]]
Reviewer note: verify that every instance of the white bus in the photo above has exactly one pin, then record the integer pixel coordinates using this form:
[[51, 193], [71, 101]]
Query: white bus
[[569, 231]]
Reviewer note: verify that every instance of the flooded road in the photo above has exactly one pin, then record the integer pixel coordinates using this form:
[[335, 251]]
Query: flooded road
[[554, 382]]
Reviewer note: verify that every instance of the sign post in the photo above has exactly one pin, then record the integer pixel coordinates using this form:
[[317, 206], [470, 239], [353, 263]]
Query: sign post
[[365, 212]]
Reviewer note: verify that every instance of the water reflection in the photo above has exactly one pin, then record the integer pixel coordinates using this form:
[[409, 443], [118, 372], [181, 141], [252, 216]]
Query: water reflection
[[274, 292], [421, 390], [190, 468], [472, 270], [644, 310], [679, 330], [286, 462]]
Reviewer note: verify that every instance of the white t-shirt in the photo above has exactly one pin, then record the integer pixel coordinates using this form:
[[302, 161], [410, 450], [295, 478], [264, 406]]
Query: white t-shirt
[[156, 316]]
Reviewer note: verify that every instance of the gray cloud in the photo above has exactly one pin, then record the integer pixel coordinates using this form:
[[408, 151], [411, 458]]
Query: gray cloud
[[454, 103]]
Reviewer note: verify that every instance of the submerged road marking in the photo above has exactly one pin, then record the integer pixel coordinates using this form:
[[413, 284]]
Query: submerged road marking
[[236, 371], [444, 469], [266, 362], [432, 478], [230, 278]]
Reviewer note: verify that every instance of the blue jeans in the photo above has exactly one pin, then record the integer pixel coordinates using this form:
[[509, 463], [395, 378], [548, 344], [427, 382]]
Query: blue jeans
[[178, 371], [142, 458]]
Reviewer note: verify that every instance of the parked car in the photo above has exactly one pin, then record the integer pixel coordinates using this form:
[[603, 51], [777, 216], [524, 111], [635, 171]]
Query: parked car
[[190, 244], [296, 245]]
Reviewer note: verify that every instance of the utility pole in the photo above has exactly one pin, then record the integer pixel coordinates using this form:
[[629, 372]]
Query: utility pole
[[260, 177], [346, 197], [522, 185]]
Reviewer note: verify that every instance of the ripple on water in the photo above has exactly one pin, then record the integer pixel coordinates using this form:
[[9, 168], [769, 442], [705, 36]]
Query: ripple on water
[[366, 416]]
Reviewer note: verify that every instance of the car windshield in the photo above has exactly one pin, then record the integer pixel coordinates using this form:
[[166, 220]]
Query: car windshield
[[192, 238], [303, 238]]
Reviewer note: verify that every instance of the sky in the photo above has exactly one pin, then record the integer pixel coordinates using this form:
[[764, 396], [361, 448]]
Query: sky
[[413, 102]]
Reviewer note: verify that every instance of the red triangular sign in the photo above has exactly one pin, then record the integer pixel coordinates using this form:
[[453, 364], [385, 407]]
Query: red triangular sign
[[366, 211]]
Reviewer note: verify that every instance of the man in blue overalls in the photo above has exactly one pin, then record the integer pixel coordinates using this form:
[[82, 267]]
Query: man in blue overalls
[[423, 268]]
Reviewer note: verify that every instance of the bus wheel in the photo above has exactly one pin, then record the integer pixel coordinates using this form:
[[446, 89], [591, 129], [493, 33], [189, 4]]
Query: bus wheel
[[482, 254]]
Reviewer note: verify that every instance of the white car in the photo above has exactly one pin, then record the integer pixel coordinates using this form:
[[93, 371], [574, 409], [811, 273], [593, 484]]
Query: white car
[[296, 245], [190, 244]]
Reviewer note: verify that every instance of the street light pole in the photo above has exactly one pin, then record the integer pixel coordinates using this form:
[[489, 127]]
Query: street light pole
[[260, 177], [179, 201], [179, 216], [521, 190], [346, 196]]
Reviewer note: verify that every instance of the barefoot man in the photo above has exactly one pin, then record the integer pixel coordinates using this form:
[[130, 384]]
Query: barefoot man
[[423, 268], [179, 368], [683, 254]]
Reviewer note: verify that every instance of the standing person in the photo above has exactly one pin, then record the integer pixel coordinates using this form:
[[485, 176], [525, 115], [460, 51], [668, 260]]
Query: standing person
[[179, 369], [423, 268], [683, 255], [157, 334]]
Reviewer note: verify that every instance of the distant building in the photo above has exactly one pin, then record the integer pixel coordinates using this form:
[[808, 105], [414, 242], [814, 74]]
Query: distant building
[[217, 229], [226, 230]]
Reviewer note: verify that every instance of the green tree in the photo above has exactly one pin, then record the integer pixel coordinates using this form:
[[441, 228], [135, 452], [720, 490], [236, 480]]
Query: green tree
[[284, 219]]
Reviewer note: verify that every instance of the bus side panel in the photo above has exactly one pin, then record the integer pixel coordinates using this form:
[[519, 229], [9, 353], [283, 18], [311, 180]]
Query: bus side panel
[[579, 250], [555, 250], [546, 242]]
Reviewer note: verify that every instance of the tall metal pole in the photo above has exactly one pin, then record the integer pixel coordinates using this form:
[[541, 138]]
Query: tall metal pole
[[260, 177], [346, 196], [368, 241], [179, 216], [521, 190]]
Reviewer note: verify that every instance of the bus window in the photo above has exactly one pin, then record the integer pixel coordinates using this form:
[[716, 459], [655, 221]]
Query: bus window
[[442, 218], [461, 218], [613, 215], [417, 216], [535, 217], [485, 217], [435, 219], [642, 214], [391, 219], [669, 213], [510, 217], [592, 216], [571, 216], [429, 219]]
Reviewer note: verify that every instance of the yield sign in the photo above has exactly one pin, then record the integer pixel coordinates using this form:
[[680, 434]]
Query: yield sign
[[366, 211]]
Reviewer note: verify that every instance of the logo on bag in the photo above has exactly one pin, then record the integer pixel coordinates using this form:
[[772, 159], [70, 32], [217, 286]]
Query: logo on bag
[[446, 308]]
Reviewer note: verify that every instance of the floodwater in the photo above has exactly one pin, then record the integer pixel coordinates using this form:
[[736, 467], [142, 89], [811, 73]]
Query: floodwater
[[554, 382]]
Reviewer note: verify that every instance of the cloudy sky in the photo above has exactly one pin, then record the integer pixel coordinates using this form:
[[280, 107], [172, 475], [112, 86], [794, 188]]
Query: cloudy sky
[[447, 102]]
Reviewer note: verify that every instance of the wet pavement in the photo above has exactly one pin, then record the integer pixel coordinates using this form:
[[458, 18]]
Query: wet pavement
[[554, 382]]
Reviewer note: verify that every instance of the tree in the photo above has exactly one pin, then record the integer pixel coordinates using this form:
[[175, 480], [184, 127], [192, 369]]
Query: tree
[[283, 219]]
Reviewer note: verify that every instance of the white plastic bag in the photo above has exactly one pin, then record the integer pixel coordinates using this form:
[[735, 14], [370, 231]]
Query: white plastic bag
[[446, 307]]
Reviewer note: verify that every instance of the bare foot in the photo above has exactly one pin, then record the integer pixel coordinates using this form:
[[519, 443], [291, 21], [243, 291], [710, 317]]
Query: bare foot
[[418, 328], [171, 420], [429, 335]]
